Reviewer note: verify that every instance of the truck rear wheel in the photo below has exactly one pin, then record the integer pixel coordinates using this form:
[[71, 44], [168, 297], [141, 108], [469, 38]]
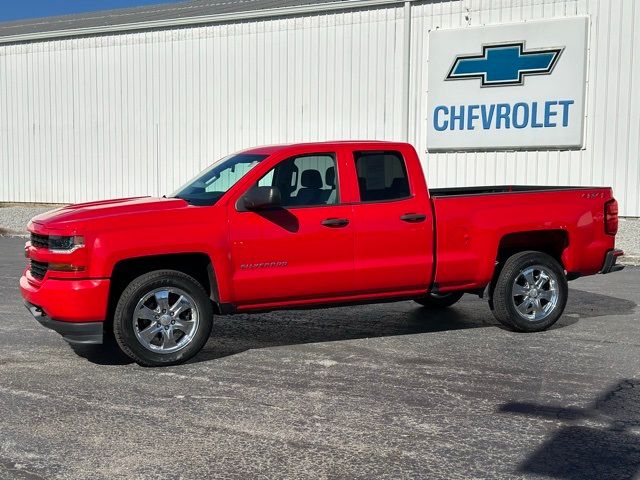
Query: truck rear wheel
[[439, 300], [163, 317], [530, 293]]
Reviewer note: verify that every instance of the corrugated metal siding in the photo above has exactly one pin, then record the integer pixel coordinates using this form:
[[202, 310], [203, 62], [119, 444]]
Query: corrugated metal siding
[[139, 113], [612, 144], [182, 9]]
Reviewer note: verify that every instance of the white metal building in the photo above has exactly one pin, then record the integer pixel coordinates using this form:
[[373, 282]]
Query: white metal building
[[134, 102]]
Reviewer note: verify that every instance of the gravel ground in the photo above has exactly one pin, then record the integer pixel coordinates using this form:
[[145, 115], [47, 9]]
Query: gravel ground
[[628, 239], [14, 218]]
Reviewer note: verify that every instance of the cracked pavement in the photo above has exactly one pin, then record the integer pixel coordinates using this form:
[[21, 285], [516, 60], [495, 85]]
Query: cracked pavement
[[378, 391]]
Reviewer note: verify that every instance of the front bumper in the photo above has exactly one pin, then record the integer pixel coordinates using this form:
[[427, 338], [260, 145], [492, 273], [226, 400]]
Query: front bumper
[[74, 308], [610, 261], [67, 300], [72, 332]]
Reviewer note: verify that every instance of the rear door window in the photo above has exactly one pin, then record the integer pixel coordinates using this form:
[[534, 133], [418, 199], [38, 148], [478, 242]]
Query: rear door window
[[382, 176]]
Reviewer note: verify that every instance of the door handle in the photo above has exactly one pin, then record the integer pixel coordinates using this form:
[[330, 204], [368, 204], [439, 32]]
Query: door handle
[[413, 217], [335, 222]]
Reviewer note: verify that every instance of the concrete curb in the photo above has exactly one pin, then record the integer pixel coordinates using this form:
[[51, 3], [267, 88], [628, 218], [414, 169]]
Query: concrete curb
[[5, 233], [632, 260]]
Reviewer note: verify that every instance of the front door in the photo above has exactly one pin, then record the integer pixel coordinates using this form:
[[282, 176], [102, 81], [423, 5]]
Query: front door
[[301, 251]]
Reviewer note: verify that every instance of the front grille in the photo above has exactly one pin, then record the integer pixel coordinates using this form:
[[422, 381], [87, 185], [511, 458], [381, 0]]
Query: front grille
[[39, 241], [39, 269]]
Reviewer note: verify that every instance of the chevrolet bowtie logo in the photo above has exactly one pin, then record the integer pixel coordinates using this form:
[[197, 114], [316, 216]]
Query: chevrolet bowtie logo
[[504, 64]]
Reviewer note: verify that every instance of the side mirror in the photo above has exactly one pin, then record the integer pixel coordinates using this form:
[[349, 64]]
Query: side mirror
[[260, 198]]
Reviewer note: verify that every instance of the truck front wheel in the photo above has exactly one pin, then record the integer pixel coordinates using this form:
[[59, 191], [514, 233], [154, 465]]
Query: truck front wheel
[[530, 293], [163, 317]]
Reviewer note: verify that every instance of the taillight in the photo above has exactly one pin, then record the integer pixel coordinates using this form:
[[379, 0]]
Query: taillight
[[611, 217]]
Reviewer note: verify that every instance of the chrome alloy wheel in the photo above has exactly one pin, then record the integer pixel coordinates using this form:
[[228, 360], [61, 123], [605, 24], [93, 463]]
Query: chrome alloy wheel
[[535, 292], [166, 320]]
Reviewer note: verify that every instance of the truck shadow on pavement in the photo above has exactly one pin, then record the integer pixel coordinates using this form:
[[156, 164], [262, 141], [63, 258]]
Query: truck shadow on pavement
[[600, 441], [235, 334]]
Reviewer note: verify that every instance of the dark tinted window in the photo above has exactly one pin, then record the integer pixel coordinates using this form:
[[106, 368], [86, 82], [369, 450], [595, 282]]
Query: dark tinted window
[[381, 176], [304, 181]]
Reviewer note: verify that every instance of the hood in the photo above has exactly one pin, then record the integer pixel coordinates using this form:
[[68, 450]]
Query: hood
[[71, 216]]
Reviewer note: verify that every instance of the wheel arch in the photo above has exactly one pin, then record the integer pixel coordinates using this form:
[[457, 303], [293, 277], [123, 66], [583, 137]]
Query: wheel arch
[[552, 242], [195, 264]]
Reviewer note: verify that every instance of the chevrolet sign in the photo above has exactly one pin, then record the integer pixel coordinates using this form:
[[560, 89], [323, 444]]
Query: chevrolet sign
[[536, 71]]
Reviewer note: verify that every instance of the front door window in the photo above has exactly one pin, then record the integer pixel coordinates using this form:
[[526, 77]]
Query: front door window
[[304, 181]]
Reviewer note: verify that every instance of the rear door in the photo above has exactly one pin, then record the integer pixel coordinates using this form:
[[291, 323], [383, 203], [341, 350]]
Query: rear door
[[303, 250], [393, 222]]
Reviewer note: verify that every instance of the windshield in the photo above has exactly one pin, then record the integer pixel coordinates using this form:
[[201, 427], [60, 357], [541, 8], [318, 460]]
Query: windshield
[[212, 183]]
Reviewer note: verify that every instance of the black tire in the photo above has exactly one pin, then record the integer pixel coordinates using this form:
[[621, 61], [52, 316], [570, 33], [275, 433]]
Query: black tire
[[443, 300], [123, 325], [504, 301]]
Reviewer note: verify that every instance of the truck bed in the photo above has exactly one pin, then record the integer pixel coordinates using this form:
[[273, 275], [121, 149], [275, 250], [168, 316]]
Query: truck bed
[[492, 189], [473, 223]]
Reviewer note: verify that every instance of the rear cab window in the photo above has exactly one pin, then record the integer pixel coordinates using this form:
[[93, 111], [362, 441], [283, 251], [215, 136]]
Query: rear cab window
[[382, 176]]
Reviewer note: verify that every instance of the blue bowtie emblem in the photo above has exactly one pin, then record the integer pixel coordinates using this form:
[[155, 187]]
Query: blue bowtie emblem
[[504, 64]]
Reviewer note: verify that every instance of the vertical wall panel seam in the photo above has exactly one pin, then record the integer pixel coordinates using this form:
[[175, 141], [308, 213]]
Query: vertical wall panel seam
[[594, 73], [616, 134], [4, 142], [627, 160], [606, 68], [406, 70]]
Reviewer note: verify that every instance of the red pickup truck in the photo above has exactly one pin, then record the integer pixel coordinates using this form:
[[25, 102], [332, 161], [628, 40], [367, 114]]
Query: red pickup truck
[[308, 225]]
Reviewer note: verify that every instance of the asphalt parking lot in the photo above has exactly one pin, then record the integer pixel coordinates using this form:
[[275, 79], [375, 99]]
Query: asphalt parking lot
[[382, 391]]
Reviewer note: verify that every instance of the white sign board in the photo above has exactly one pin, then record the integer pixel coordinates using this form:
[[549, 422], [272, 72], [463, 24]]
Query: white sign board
[[509, 86]]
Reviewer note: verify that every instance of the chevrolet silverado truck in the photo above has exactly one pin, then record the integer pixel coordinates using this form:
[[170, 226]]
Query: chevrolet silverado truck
[[302, 226]]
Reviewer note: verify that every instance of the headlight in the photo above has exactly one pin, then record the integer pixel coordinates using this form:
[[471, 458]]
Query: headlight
[[64, 243]]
